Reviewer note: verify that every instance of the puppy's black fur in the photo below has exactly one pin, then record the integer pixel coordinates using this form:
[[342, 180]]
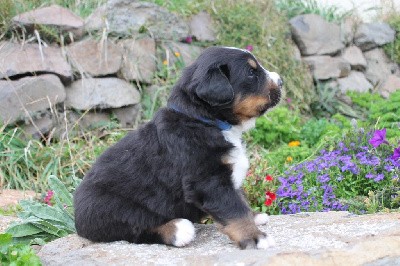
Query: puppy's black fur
[[175, 166]]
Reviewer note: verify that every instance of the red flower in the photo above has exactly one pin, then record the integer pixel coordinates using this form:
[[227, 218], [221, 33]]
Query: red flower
[[269, 178], [269, 198], [48, 197]]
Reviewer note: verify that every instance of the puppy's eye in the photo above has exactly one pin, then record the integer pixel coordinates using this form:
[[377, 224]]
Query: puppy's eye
[[252, 73]]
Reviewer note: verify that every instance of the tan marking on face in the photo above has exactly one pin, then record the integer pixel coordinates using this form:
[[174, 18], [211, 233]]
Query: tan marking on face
[[249, 107], [252, 63]]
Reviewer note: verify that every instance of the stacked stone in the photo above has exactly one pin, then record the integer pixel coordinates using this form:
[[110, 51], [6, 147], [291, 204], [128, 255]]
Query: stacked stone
[[348, 56], [42, 84]]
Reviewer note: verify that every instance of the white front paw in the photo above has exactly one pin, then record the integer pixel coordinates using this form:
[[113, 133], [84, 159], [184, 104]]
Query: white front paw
[[266, 242], [261, 218]]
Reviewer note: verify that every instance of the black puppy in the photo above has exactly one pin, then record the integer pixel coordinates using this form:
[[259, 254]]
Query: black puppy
[[188, 162]]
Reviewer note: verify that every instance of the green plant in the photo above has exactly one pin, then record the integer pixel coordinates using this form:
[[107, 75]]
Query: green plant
[[278, 126], [16, 254], [294, 8], [41, 222], [393, 49]]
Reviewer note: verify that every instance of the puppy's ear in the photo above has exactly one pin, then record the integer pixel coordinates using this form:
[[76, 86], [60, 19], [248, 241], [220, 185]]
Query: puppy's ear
[[215, 89]]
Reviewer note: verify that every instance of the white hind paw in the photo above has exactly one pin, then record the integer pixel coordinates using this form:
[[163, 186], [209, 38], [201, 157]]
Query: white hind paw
[[184, 233]]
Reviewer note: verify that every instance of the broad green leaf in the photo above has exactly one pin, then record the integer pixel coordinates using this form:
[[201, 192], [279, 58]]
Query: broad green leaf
[[49, 228], [5, 239], [23, 229], [61, 194]]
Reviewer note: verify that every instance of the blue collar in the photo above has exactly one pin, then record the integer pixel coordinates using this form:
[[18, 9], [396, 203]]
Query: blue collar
[[222, 125]]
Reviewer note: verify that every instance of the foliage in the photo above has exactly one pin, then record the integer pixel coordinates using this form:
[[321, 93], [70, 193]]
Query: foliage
[[352, 168], [41, 222], [280, 125], [293, 8], [384, 113], [393, 49], [16, 254], [26, 164]]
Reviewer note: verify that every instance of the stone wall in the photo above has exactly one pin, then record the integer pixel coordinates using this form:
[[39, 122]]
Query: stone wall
[[98, 68]]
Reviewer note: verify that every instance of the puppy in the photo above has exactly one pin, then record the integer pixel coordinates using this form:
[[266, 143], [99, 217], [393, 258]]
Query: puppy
[[185, 164]]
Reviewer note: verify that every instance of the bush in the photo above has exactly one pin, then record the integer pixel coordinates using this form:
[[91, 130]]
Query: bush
[[16, 254]]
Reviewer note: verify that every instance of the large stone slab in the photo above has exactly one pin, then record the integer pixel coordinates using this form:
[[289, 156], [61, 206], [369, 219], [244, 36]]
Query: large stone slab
[[127, 18], [333, 238], [101, 93], [324, 67], [96, 58], [22, 98], [355, 57], [356, 81], [173, 52], [379, 66], [391, 85], [315, 36], [371, 35], [201, 27], [54, 15], [139, 59], [16, 59]]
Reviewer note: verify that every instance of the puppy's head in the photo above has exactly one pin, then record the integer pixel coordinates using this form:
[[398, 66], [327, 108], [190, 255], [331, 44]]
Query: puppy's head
[[229, 84]]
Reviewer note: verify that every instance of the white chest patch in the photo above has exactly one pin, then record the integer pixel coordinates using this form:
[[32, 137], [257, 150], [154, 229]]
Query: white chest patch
[[237, 156]]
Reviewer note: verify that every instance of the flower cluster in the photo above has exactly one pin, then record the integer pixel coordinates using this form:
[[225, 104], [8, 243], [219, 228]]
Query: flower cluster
[[47, 199], [352, 168], [270, 196]]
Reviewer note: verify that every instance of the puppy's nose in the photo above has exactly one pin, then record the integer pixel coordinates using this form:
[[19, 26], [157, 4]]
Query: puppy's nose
[[276, 79]]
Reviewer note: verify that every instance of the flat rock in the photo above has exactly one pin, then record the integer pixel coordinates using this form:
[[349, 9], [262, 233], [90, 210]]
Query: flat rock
[[348, 29], [127, 18], [97, 20], [324, 67], [139, 59], [391, 85], [174, 52], [201, 27], [332, 238], [40, 127], [101, 93], [315, 36], [371, 35], [23, 97], [16, 59], [95, 58], [355, 57], [356, 81], [379, 66], [54, 15], [128, 116]]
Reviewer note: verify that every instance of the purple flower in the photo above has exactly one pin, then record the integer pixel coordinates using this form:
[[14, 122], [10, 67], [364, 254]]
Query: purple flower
[[379, 177], [396, 154], [378, 138], [189, 39], [369, 176], [249, 48]]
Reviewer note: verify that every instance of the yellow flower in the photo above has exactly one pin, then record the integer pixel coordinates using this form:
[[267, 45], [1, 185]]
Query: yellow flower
[[294, 143], [177, 54], [165, 62], [289, 159]]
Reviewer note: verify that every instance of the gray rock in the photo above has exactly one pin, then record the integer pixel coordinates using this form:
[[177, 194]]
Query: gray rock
[[355, 57], [139, 59], [315, 36], [371, 35], [391, 84], [128, 116], [22, 98], [39, 128], [54, 15], [16, 59], [91, 120], [325, 67], [127, 18], [201, 27], [356, 81], [97, 20], [174, 52], [101, 93], [95, 58], [379, 66], [332, 238], [348, 29]]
